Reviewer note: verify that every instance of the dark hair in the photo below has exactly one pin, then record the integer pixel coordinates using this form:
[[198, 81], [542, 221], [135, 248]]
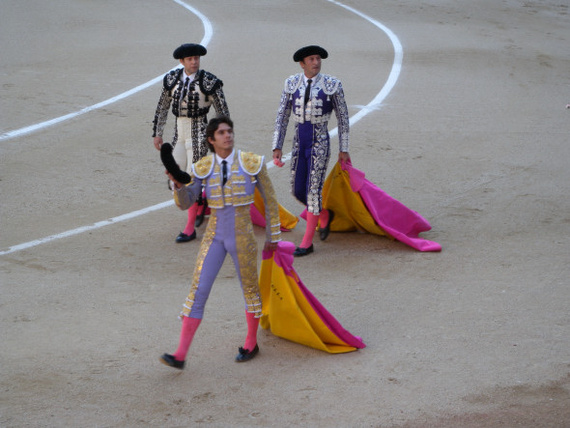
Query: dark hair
[[213, 126]]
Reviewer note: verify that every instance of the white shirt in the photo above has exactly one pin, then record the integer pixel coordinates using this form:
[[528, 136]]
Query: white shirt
[[191, 77], [229, 160], [305, 78]]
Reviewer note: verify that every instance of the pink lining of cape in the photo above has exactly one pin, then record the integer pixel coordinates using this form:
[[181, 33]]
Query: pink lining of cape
[[391, 215], [284, 259]]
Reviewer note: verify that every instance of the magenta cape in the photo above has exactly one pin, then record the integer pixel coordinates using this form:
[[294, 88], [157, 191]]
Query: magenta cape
[[257, 211], [366, 206], [292, 312]]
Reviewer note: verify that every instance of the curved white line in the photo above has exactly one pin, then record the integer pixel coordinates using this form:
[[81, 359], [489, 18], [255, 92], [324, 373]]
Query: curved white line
[[48, 123], [33, 128], [394, 72], [372, 105]]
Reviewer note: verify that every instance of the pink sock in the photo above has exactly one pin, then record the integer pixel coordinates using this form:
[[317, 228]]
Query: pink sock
[[189, 327], [251, 338], [192, 211], [324, 218], [312, 221]]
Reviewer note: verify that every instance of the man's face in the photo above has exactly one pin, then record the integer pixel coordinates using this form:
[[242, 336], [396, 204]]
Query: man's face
[[223, 140], [311, 65], [191, 64]]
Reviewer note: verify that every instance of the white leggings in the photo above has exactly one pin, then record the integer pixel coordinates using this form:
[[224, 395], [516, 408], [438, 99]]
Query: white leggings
[[183, 148]]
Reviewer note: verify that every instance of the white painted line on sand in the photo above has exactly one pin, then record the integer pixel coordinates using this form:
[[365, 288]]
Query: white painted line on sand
[[83, 229], [38, 126]]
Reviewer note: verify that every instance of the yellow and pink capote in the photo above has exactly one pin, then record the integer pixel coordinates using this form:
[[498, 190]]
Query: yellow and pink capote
[[290, 311]]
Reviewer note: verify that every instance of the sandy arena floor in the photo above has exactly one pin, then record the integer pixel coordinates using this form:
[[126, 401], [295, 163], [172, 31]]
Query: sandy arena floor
[[472, 132]]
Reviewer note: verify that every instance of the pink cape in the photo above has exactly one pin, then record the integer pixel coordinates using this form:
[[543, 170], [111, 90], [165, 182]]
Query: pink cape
[[392, 216], [256, 217], [283, 258], [258, 220]]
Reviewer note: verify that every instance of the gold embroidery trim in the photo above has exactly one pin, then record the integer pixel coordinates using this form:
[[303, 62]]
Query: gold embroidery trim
[[204, 248], [251, 162], [204, 166]]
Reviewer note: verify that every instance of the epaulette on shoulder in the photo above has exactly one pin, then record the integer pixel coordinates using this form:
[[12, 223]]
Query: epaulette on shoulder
[[209, 83], [204, 166], [171, 78], [330, 84], [250, 162], [293, 82]]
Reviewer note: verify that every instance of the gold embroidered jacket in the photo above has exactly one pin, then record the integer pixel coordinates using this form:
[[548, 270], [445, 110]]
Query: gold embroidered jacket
[[248, 173]]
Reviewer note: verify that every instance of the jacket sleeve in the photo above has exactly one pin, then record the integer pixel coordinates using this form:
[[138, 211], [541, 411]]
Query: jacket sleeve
[[161, 112], [283, 115], [185, 197], [273, 225], [341, 112], [220, 104]]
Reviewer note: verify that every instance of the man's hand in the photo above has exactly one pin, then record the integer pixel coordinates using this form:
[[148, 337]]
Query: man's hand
[[343, 157], [177, 184], [270, 246], [277, 153], [157, 142]]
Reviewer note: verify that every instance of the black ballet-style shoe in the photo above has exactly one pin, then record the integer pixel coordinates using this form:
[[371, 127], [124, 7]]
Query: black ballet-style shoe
[[199, 220], [300, 252], [246, 355], [170, 361], [324, 231], [182, 237]]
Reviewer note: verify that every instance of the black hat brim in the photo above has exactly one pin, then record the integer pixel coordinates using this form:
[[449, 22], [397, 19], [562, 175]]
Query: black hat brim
[[189, 49], [306, 51]]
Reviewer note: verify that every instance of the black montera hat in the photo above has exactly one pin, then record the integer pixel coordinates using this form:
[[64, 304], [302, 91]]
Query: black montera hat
[[302, 53], [189, 49]]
